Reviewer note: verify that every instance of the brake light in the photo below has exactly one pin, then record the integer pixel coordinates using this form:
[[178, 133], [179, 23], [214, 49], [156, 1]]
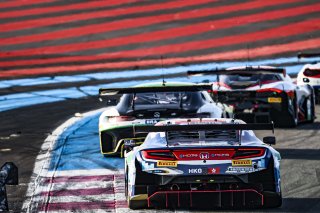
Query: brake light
[[270, 90], [290, 93], [121, 118], [248, 153], [158, 154], [213, 91]]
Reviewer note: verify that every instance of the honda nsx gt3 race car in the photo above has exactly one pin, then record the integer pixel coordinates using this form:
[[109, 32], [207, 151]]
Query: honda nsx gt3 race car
[[262, 94], [310, 74], [203, 164], [146, 105]]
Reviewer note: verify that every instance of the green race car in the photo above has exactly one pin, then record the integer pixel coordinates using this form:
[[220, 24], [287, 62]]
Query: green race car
[[148, 104]]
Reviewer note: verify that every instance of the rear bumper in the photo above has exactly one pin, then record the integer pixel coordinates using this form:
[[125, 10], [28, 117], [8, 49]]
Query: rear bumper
[[245, 198]]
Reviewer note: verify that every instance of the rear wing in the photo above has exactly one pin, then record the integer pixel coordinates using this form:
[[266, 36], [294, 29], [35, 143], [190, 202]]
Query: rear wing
[[236, 71], [207, 127], [308, 55], [188, 88], [203, 127]]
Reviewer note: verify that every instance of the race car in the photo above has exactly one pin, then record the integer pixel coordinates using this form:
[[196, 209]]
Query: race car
[[260, 94], [146, 105], [310, 74], [203, 164]]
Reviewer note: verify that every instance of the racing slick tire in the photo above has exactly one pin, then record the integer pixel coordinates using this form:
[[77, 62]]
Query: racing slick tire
[[290, 119], [133, 204], [137, 204], [272, 199], [310, 109]]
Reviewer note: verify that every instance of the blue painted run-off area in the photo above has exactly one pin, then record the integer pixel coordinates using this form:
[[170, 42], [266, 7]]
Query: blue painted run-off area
[[14, 101], [78, 148]]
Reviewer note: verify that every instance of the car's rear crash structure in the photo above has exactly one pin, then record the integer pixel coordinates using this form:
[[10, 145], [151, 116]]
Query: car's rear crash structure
[[202, 164]]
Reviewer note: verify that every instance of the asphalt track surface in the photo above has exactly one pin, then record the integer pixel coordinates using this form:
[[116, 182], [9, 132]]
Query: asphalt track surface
[[49, 38], [299, 148]]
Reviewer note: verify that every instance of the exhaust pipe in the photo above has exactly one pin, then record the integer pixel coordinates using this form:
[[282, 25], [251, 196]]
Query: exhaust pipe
[[233, 186], [174, 187]]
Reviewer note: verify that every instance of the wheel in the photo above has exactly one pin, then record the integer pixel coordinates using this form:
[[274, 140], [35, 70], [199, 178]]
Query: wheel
[[137, 204], [310, 109], [272, 199], [290, 118]]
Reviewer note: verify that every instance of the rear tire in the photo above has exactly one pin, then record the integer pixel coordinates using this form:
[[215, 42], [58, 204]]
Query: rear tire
[[272, 199], [290, 119], [312, 110]]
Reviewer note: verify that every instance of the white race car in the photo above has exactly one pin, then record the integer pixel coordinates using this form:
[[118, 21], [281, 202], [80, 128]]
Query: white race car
[[147, 104], [310, 74], [260, 94], [202, 164]]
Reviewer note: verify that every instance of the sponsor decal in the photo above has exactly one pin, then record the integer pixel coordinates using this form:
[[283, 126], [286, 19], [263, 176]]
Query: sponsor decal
[[204, 171], [158, 171], [241, 163], [167, 163], [196, 171], [213, 171], [240, 169], [220, 155], [151, 122], [274, 100], [156, 114], [189, 155], [204, 155]]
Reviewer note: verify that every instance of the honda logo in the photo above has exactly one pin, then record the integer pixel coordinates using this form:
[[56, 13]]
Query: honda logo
[[204, 155]]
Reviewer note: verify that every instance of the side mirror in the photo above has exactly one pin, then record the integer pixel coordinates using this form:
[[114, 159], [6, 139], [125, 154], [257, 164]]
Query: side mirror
[[8, 176], [271, 140]]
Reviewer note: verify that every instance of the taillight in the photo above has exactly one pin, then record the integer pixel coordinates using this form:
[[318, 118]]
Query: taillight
[[158, 154], [270, 90], [312, 72], [121, 118], [248, 153], [290, 93]]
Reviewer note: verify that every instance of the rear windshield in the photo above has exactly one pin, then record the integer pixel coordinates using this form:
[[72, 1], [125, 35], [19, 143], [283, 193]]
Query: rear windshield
[[235, 81]]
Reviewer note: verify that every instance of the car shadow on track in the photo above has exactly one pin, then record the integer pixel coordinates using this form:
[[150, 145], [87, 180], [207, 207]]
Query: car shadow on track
[[298, 205], [309, 126], [288, 205], [306, 154]]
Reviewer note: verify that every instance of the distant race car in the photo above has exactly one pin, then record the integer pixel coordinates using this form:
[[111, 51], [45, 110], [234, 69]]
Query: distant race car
[[147, 104], [261, 94], [202, 163], [310, 74]]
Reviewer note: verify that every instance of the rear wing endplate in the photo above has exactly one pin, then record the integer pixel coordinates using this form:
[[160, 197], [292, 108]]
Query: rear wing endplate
[[188, 88]]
